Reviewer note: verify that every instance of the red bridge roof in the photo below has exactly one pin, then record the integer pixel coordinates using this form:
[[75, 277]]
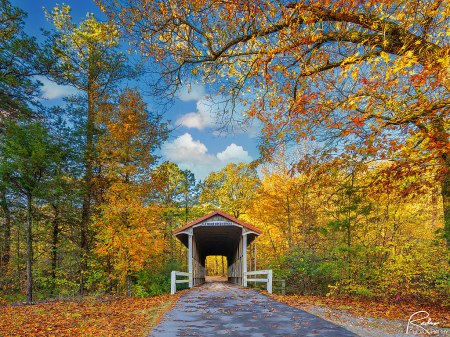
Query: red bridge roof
[[217, 213]]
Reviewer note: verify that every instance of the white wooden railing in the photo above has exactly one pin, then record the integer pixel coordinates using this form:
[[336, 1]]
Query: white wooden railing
[[267, 280], [174, 281]]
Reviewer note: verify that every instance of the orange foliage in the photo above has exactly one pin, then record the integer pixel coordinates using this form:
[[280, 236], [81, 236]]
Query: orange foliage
[[127, 225]]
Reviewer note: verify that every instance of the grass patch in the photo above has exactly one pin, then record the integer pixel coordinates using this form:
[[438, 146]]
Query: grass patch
[[11, 298]]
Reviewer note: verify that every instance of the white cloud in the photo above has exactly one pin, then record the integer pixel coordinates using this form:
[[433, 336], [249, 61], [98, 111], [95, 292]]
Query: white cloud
[[234, 154], [193, 93], [197, 120], [51, 90], [193, 155], [185, 150]]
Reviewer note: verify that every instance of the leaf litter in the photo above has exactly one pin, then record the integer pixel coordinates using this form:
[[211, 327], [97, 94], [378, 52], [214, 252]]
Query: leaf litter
[[369, 318], [86, 316]]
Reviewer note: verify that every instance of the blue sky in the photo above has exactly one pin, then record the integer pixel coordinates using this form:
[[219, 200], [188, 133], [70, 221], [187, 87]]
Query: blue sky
[[193, 145]]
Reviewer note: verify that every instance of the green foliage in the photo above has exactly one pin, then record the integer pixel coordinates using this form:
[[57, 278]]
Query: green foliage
[[418, 272], [150, 282], [11, 298], [96, 279], [231, 189], [30, 156], [139, 291], [307, 273], [21, 59]]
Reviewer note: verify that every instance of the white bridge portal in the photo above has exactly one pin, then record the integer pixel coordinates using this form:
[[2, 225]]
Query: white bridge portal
[[216, 234]]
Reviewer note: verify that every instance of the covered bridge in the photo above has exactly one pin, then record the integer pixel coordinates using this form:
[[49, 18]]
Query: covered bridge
[[217, 234]]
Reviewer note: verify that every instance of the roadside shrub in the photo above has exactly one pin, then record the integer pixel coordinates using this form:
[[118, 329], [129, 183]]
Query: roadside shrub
[[419, 273], [307, 273], [151, 282], [139, 291]]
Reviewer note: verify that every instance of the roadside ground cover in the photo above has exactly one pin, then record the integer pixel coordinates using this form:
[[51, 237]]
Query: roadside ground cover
[[86, 316], [370, 308]]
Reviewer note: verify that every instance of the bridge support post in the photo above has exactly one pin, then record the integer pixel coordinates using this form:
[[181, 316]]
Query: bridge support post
[[244, 260], [269, 281], [173, 282], [191, 274]]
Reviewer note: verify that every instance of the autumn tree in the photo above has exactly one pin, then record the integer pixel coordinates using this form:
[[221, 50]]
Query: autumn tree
[[127, 224], [89, 59], [231, 189], [348, 210], [284, 197], [369, 79]]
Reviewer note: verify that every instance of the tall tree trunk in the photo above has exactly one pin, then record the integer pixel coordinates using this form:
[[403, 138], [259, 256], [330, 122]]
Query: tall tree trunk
[[216, 266], [289, 222], [445, 191], [19, 281], [127, 226], [171, 243], [108, 264], [128, 285], [29, 290], [54, 251], [6, 252], [435, 211], [86, 214], [223, 268], [255, 255], [303, 222]]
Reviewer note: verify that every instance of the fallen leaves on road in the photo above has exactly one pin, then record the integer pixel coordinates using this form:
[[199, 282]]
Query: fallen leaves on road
[[90, 316]]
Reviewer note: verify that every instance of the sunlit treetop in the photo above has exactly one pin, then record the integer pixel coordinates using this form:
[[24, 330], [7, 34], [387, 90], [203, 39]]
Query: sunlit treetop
[[89, 53]]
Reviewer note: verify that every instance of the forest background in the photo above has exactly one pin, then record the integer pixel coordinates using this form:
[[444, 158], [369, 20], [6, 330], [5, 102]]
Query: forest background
[[352, 195]]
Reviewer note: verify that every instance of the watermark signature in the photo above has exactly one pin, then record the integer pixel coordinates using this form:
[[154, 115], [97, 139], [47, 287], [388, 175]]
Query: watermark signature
[[414, 327]]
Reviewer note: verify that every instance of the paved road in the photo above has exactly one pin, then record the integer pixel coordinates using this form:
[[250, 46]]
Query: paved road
[[221, 308]]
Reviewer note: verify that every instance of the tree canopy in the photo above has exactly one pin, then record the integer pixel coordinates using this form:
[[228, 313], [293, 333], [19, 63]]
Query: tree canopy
[[367, 80], [231, 189]]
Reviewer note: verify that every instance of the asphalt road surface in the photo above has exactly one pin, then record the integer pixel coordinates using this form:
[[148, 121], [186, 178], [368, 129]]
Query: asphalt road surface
[[219, 308]]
